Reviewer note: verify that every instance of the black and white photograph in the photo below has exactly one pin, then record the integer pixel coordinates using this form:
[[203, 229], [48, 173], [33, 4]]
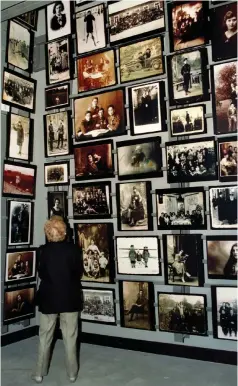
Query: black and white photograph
[[96, 243], [224, 302], [222, 257], [19, 137], [183, 260], [191, 160], [20, 215], [98, 305], [56, 173], [19, 180], [57, 97], [18, 91], [57, 134], [29, 19], [20, 44], [20, 265], [139, 159], [183, 314], [138, 256], [19, 304], [223, 207], [57, 203], [92, 200], [58, 20], [147, 108], [58, 61], [181, 208], [227, 159], [90, 29], [131, 19], [188, 121], [188, 77]]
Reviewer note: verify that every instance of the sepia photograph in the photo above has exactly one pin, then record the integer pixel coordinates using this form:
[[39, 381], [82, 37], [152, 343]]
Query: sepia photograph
[[183, 256], [227, 159], [20, 265], [29, 19], [20, 44], [58, 64], [183, 314], [18, 91], [57, 134], [19, 137], [98, 305], [129, 19], [222, 257], [99, 115], [56, 173], [92, 200], [191, 160], [138, 256], [20, 215], [141, 59], [188, 121], [223, 207], [181, 208], [225, 91], [147, 108], [57, 97], [134, 206], [19, 180], [94, 160], [136, 302], [95, 242], [224, 302], [90, 29], [58, 20], [57, 203], [19, 304], [139, 159]]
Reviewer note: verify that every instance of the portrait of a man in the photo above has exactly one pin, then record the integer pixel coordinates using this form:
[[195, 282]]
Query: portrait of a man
[[58, 19], [20, 216]]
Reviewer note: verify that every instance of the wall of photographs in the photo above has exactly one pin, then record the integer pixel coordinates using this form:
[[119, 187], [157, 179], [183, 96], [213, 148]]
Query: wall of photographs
[[151, 208]]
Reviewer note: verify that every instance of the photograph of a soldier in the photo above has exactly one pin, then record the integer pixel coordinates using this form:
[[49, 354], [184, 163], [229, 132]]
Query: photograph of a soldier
[[57, 134], [19, 137]]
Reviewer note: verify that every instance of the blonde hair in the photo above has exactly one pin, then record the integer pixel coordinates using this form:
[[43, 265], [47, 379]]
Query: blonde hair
[[55, 229]]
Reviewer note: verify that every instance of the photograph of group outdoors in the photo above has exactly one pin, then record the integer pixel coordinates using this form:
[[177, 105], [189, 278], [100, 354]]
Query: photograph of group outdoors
[[98, 306], [20, 46]]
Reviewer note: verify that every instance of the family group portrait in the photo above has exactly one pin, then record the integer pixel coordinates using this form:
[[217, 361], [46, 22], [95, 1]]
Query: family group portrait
[[222, 257], [98, 306], [20, 265]]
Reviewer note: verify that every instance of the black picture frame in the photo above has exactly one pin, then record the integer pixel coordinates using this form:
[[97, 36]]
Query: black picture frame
[[29, 308], [25, 223], [96, 317], [139, 159], [29, 19], [62, 197], [231, 141], [223, 210], [185, 126], [17, 182], [50, 33], [65, 168], [58, 93], [17, 271]]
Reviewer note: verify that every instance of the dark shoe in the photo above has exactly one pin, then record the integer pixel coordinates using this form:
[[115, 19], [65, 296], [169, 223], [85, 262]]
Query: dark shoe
[[37, 379]]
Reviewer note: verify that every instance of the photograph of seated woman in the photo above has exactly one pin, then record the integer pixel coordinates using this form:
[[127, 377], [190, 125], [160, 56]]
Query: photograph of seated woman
[[231, 267], [134, 214], [138, 308]]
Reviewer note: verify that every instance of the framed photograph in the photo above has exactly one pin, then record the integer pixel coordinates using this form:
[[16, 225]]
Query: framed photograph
[[99, 115], [19, 304], [90, 29], [56, 173], [20, 222], [20, 265], [138, 256], [134, 206], [57, 134], [29, 19], [187, 24], [141, 158], [181, 208], [147, 108], [183, 314], [57, 204], [58, 61], [19, 137], [135, 18], [141, 59], [188, 77], [18, 91], [136, 303], [193, 160], [223, 207], [222, 257], [99, 305], [224, 32], [92, 200], [58, 20], [94, 160], [224, 97], [57, 97], [188, 121], [183, 256], [227, 159], [19, 180], [95, 242], [224, 305], [20, 43]]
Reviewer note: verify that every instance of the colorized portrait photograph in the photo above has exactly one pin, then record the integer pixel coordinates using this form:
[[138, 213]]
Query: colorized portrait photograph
[[94, 160], [58, 61], [20, 214], [181, 208], [20, 265], [57, 203], [57, 132], [99, 115], [58, 20], [223, 207], [95, 242], [138, 256], [29, 19], [20, 137], [19, 304], [57, 173], [227, 159], [222, 257], [57, 97], [19, 180], [98, 306], [183, 314], [188, 121]]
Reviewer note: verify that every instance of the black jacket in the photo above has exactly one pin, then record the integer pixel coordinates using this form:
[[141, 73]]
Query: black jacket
[[60, 271]]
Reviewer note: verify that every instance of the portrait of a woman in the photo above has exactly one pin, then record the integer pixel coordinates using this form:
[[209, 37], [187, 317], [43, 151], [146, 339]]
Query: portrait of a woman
[[231, 267], [58, 21]]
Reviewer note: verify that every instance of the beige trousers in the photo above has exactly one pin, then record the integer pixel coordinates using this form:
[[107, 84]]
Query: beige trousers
[[69, 328]]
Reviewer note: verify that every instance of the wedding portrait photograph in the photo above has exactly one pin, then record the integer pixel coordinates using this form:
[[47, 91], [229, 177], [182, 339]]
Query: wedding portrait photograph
[[188, 121], [58, 19], [222, 257], [98, 305], [227, 159], [29, 19], [223, 207], [58, 64], [57, 134], [20, 219], [20, 265], [19, 180], [57, 203], [56, 173], [19, 303], [57, 97], [19, 137]]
